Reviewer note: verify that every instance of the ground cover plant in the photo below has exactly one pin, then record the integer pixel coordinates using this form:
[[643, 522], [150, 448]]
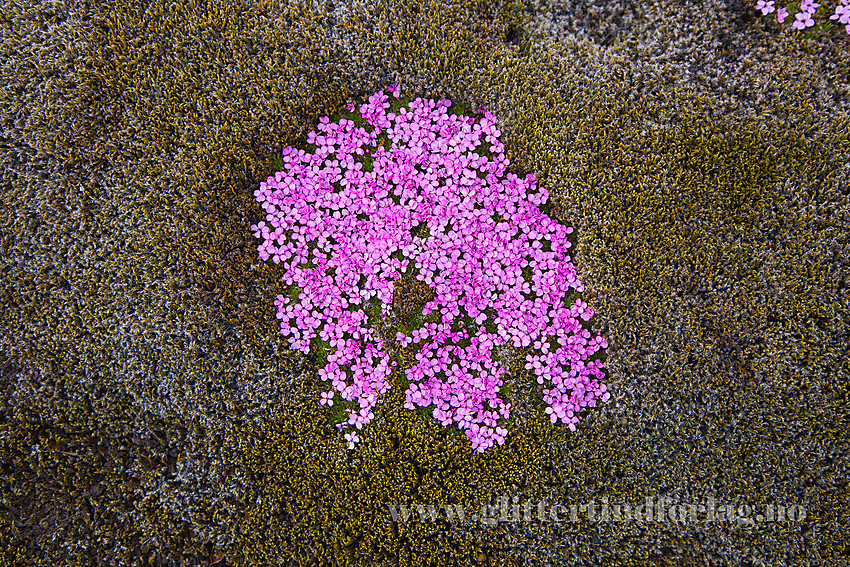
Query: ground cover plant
[[804, 15], [402, 188]]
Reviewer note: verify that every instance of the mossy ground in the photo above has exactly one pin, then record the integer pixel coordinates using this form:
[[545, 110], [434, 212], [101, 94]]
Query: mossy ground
[[153, 414]]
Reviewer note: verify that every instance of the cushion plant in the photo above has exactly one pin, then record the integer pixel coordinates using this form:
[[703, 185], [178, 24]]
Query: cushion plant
[[412, 190]]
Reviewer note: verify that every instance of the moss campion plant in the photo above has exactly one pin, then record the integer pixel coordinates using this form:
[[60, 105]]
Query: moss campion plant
[[804, 12], [415, 191]]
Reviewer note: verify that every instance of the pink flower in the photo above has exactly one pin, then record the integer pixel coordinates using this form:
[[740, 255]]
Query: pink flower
[[765, 7], [804, 20], [809, 6], [842, 14], [351, 439]]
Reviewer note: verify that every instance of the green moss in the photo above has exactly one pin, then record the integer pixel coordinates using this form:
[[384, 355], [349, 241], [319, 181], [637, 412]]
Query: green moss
[[413, 454], [738, 169], [275, 162]]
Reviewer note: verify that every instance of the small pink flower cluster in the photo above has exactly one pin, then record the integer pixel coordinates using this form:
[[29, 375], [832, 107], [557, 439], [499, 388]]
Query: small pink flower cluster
[[805, 17], [473, 263]]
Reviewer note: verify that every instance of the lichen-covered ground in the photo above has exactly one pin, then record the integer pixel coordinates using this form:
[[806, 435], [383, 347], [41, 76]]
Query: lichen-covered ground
[[153, 415]]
